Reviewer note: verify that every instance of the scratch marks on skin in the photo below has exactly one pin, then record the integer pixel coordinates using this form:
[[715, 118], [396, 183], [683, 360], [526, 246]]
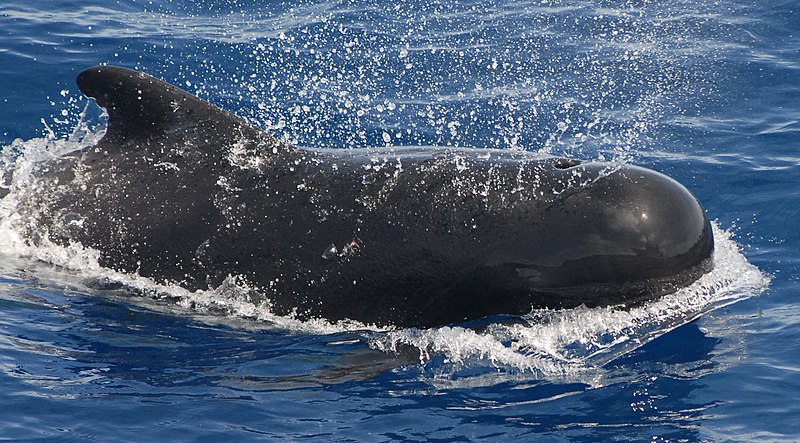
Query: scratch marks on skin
[[224, 183], [452, 177], [386, 171], [167, 166], [347, 251], [243, 155]]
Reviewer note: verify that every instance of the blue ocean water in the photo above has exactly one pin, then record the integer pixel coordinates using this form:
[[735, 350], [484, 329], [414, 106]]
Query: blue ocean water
[[705, 91]]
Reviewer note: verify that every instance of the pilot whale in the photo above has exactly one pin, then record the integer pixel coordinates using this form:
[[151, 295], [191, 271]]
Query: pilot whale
[[184, 193]]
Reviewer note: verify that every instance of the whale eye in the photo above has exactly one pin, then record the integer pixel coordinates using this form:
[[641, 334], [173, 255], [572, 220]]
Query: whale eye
[[564, 163]]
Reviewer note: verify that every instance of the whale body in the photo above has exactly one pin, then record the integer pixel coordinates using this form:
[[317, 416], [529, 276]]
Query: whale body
[[185, 193]]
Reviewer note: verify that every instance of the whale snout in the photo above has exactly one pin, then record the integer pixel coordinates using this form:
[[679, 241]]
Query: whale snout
[[625, 234]]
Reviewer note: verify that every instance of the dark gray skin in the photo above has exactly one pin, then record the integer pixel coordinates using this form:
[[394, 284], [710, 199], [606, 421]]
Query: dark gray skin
[[183, 192]]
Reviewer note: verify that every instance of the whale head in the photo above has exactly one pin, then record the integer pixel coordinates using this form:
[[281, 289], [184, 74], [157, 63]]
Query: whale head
[[624, 235]]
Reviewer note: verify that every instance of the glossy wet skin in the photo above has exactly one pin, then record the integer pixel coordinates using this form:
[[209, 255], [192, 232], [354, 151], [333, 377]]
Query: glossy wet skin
[[627, 236], [183, 192]]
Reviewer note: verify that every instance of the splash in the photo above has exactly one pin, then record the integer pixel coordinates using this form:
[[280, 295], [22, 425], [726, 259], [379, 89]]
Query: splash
[[574, 342], [575, 78]]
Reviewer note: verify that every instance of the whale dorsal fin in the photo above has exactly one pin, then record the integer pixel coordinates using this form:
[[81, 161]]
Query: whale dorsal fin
[[147, 113]]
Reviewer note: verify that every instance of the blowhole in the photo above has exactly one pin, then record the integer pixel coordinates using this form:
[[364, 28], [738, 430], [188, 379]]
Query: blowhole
[[564, 163]]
